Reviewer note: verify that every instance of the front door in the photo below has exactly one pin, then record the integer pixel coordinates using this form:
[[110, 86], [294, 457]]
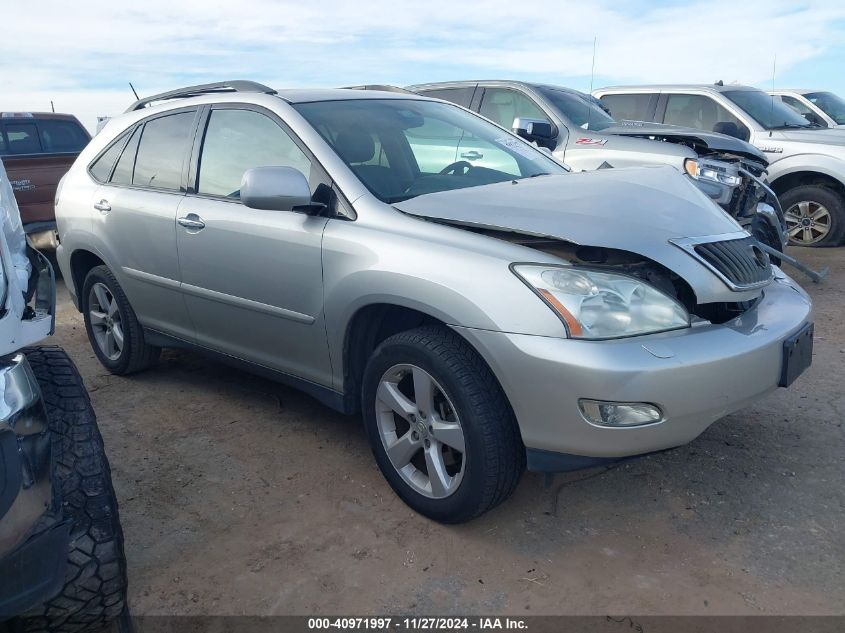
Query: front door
[[252, 279]]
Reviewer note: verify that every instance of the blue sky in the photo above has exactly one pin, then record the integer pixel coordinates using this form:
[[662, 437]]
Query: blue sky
[[87, 51]]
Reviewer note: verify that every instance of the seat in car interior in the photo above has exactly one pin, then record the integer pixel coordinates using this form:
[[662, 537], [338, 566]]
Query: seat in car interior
[[356, 147]]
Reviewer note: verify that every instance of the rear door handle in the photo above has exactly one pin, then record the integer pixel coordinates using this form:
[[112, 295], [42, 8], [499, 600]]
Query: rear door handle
[[102, 206], [192, 221], [473, 155]]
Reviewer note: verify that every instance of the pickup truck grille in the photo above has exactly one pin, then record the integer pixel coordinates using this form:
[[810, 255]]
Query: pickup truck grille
[[739, 262]]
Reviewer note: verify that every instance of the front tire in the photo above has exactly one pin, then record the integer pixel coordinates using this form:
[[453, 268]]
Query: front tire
[[440, 427], [94, 592], [815, 216], [113, 329]]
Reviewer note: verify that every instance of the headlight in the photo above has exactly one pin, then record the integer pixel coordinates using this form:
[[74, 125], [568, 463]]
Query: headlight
[[705, 171], [597, 305]]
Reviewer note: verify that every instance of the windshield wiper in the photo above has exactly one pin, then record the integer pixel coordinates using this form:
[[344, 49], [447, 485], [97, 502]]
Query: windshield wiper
[[794, 126]]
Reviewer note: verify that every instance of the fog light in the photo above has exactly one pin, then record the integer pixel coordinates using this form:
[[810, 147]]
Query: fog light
[[620, 413]]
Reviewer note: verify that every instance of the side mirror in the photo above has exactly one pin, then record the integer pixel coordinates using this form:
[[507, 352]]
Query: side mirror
[[276, 189], [533, 129]]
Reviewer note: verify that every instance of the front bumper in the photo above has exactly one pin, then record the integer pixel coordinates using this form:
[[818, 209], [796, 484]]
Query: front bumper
[[695, 376], [33, 539]]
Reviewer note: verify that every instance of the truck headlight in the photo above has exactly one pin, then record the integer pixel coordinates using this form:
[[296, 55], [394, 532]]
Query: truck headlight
[[598, 305], [705, 171]]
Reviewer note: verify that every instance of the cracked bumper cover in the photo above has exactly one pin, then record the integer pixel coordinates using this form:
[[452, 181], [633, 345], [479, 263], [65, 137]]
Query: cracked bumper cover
[[696, 376]]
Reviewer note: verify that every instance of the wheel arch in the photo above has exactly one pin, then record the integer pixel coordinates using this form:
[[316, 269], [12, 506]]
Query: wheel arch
[[367, 328], [81, 262], [807, 177]]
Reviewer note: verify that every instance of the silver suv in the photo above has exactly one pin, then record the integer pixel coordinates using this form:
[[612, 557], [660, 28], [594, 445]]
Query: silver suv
[[806, 162], [479, 318]]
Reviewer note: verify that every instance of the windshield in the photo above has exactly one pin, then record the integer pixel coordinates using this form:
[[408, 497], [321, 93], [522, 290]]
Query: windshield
[[579, 109], [401, 148], [832, 105], [770, 112]]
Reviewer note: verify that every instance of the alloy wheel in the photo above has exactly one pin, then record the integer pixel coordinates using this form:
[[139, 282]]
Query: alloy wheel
[[807, 222], [420, 430], [106, 324]]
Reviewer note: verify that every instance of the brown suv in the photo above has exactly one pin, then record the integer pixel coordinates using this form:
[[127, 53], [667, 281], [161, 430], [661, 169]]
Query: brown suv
[[37, 149]]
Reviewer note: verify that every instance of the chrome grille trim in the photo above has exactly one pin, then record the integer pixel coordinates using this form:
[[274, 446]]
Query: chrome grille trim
[[735, 259]]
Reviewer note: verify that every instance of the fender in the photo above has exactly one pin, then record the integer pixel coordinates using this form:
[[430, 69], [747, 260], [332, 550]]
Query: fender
[[808, 162]]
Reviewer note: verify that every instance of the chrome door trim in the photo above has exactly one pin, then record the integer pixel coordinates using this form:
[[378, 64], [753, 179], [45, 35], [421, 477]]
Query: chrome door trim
[[246, 304]]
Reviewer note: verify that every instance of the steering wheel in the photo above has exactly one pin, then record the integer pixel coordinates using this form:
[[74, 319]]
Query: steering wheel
[[458, 168]]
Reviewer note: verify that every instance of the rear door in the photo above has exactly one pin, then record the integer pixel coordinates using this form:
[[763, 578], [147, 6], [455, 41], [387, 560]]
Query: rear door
[[135, 215], [36, 154], [252, 279]]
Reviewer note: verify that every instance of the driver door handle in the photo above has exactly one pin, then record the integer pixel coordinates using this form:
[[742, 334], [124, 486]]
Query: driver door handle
[[192, 221], [473, 155]]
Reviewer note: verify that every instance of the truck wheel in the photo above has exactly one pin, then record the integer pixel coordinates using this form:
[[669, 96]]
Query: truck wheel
[[94, 592], [440, 427], [815, 216], [113, 328]]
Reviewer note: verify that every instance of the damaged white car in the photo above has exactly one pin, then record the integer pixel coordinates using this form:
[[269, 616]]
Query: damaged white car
[[480, 319]]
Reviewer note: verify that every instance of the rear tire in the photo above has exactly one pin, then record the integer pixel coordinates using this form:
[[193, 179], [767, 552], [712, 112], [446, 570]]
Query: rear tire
[[94, 593], [493, 457], [822, 210], [107, 312]]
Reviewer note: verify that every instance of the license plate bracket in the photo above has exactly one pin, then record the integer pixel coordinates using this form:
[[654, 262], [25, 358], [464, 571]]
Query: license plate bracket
[[797, 355]]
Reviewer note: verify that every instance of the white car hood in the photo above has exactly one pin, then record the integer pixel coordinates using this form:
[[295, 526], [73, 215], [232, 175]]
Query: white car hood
[[632, 209]]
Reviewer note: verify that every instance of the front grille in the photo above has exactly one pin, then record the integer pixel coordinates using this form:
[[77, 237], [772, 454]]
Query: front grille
[[740, 262]]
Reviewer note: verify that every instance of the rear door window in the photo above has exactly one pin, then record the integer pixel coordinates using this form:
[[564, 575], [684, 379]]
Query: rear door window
[[697, 111], [22, 138], [161, 151], [630, 107], [238, 140], [59, 136], [503, 105]]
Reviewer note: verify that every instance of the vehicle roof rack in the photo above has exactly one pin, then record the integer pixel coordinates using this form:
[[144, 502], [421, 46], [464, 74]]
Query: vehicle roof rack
[[194, 91], [382, 87]]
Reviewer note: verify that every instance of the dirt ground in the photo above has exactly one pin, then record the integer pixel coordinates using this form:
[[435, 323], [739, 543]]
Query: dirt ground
[[241, 496]]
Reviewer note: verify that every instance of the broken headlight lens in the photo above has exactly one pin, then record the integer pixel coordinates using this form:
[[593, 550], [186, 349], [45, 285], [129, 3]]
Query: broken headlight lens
[[598, 305], [706, 171]]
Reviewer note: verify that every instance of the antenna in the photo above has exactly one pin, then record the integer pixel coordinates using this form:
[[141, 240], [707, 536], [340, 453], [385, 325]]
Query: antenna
[[592, 77], [774, 70], [137, 98], [52, 107]]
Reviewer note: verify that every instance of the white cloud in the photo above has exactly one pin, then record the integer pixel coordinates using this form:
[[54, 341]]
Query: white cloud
[[83, 54]]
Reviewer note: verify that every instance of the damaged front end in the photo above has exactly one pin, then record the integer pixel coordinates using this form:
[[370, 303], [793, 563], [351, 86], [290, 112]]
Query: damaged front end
[[738, 262], [730, 171], [615, 221]]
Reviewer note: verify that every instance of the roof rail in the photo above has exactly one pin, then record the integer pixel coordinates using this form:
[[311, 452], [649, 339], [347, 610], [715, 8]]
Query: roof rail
[[193, 91], [382, 87]]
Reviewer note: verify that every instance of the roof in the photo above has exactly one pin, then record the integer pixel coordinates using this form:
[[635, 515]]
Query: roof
[[798, 91], [28, 114], [298, 95], [243, 87], [711, 87], [494, 82]]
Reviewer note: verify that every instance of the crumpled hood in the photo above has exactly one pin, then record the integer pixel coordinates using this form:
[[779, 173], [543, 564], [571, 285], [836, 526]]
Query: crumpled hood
[[712, 140], [632, 209]]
